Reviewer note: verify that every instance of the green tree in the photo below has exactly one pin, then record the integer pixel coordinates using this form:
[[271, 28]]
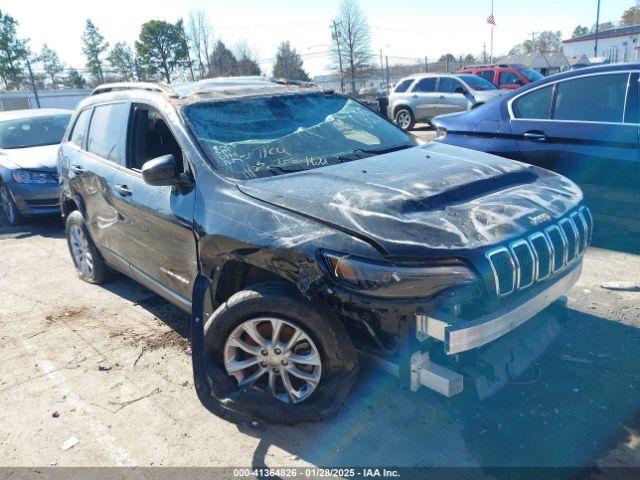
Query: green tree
[[51, 63], [247, 59], [289, 64], [122, 60], [630, 17], [469, 58], [579, 31], [447, 56], [162, 48], [13, 52], [223, 61], [93, 47], [74, 79], [603, 26]]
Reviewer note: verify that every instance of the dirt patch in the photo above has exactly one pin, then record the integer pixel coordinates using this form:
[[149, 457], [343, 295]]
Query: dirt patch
[[66, 314], [157, 340]]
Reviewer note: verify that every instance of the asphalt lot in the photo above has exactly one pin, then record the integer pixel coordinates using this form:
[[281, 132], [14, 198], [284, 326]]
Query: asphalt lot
[[110, 366]]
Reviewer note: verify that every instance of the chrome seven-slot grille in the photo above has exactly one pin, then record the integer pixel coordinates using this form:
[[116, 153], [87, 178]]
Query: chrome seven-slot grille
[[543, 253]]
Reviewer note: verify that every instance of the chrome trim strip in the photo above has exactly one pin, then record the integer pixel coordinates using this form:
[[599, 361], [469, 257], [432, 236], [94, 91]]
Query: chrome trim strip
[[466, 336], [573, 228], [515, 257], [488, 256], [576, 217], [553, 84], [531, 238], [564, 246]]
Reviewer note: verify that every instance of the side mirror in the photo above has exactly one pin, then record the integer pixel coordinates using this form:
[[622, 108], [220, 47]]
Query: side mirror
[[162, 172]]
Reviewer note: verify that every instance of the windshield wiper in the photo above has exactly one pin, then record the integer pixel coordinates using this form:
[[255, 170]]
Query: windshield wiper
[[379, 151], [276, 169], [354, 155]]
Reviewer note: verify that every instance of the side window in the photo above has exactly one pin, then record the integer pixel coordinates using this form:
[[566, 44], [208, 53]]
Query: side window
[[487, 75], [605, 94], [449, 85], [79, 132], [402, 86], [151, 138], [108, 130], [534, 105], [426, 85], [509, 78]]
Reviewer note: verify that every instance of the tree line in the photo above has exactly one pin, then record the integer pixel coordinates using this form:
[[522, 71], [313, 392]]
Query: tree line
[[164, 51]]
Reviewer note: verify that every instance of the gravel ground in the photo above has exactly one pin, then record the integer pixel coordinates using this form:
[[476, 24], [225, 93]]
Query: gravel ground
[[110, 366]]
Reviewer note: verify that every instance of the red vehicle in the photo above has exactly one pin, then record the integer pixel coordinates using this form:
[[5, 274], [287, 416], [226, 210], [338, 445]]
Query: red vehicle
[[508, 77]]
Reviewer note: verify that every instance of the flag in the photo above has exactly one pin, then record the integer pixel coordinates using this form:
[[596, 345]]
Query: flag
[[491, 20]]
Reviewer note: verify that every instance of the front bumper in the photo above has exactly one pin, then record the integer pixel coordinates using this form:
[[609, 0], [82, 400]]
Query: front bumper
[[460, 336], [36, 199]]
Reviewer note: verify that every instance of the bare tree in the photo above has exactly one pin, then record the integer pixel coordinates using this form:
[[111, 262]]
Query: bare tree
[[353, 40], [200, 35], [247, 59]]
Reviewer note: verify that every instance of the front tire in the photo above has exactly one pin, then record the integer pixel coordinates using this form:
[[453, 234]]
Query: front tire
[[404, 119], [289, 359], [89, 264], [9, 209]]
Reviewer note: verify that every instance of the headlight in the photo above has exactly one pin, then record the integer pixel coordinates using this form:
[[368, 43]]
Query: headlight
[[441, 132], [398, 281], [30, 176]]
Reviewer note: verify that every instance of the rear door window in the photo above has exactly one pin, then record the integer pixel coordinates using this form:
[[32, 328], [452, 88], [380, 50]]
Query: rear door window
[[107, 132], [534, 105], [598, 98], [403, 86], [487, 75], [79, 133], [426, 85]]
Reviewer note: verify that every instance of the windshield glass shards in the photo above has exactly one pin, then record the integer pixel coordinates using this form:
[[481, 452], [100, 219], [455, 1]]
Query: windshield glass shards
[[256, 137]]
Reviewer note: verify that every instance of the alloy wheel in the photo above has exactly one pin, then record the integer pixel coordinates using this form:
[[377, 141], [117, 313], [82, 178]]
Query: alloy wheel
[[80, 251], [274, 356], [403, 119]]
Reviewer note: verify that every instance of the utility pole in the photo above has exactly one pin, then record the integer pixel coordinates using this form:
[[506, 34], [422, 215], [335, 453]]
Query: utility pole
[[595, 48], [484, 52], [491, 54], [426, 64], [33, 83], [382, 77], [337, 36], [533, 42], [386, 62]]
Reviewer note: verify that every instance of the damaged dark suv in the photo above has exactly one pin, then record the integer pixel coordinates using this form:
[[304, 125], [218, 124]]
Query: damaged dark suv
[[298, 227]]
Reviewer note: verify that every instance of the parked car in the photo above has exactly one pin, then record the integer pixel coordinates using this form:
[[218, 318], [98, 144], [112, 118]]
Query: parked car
[[582, 124], [297, 226], [506, 77], [419, 98], [29, 142]]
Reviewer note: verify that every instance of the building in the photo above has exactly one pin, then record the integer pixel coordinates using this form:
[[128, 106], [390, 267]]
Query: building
[[614, 44], [21, 99], [534, 61]]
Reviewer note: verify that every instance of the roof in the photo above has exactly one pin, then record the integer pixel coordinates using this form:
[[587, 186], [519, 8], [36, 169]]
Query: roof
[[610, 32], [557, 59], [578, 60], [530, 60], [221, 87], [33, 113]]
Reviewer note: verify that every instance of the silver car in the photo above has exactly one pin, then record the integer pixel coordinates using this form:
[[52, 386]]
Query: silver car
[[29, 141], [419, 98]]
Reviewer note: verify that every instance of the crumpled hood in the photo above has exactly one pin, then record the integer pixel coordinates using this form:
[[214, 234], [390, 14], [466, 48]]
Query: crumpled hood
[[31, 158], [434, 197]]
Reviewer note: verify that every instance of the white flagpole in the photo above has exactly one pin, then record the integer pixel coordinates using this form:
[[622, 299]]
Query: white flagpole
[[491, 53]]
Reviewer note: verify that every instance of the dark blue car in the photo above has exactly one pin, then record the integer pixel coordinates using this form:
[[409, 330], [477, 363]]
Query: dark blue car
[[582, 124]]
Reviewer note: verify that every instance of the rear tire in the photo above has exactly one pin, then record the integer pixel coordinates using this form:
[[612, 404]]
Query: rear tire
[[87, 260], [9, 208], [404, 119], [271, 373]]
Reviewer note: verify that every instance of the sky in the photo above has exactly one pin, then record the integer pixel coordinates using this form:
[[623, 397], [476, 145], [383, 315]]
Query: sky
[[405, 30]]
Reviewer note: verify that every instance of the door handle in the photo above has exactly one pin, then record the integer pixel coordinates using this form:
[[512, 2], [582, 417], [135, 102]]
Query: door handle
[[441, 97], [77, 169], [415, 95], [535, 136], [123, 190]]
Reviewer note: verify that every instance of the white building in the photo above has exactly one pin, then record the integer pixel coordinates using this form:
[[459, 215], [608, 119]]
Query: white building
[[21, 99], [615, 44]]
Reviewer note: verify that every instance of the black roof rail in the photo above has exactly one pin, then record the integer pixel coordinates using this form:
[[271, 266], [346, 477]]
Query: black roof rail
[[123, 86]]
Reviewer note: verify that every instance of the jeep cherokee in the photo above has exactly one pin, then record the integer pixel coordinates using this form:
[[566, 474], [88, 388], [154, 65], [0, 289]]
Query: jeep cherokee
[[299, 227]]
